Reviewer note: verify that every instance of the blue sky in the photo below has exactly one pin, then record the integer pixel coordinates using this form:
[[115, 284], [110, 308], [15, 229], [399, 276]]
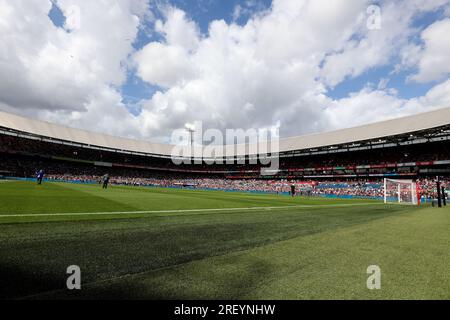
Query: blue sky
[[205, 11], [310, 66], [202, 12], [398, 80]]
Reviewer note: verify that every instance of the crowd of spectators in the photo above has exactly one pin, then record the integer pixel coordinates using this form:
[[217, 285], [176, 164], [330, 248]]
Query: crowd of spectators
[[354, 188], [412, 153], [20, 157]]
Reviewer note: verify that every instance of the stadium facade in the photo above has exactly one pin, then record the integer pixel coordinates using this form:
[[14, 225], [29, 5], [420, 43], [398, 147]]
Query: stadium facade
[[409, 146]]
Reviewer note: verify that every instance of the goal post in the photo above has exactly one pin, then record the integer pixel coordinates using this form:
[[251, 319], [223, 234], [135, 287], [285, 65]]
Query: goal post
[[400, 191]]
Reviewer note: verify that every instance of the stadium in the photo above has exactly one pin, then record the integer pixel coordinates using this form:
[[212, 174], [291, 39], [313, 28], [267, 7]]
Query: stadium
[[340, 202], [224, 159]]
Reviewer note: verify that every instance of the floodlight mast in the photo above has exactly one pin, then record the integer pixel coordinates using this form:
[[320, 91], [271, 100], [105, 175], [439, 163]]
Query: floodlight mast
[[191, 130]]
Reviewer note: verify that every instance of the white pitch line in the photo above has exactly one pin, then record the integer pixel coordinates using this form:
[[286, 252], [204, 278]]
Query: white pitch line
[[182, 210]]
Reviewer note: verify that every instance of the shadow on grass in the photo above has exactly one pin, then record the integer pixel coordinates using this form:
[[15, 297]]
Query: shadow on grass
[[34, 257], [168, 285], [17, 282]]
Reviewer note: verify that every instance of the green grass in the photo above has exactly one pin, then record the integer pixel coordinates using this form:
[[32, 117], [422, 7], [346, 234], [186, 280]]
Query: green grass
[[162, 248]]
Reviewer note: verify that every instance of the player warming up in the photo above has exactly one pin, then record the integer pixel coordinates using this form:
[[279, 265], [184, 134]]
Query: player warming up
[[40, 176], [105, 181], [292, 190]]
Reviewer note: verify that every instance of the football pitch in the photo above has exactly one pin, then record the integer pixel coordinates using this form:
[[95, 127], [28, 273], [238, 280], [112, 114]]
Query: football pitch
[[155, 243]]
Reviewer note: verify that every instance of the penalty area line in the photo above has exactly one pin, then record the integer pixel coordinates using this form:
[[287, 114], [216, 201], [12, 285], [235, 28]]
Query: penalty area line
[[184, 210]]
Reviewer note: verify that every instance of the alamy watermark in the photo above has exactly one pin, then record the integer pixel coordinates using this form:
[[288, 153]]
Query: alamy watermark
[[374, 17], [74, 280], [194, 145], [374, 280]]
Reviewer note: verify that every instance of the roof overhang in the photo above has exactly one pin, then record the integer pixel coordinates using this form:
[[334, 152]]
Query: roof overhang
[[379, 130]]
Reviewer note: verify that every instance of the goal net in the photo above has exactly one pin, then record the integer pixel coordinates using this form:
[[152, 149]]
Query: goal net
[[400, 191]]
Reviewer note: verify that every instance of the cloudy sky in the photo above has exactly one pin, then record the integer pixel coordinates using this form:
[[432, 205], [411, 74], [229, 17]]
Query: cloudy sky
[[142, 68]]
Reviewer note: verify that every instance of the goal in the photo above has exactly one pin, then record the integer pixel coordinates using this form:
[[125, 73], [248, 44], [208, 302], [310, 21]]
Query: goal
[[400, 191]]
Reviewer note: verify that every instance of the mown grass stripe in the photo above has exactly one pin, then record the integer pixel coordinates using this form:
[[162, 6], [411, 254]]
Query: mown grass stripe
[[184, 210]]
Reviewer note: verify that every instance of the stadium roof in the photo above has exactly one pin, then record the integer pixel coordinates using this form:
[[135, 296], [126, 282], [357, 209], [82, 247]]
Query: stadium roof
[[399, 126]]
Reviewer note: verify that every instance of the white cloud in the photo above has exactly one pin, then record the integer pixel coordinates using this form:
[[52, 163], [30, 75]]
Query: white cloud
[[169, 64], [409, 57], [368, 104], [47, 70], [277, 67], [438, 96], [270, 63], [247, 8], [378, 47], [364, 106], [237, 11], [163, 65], [433, 60], [178, 30]]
